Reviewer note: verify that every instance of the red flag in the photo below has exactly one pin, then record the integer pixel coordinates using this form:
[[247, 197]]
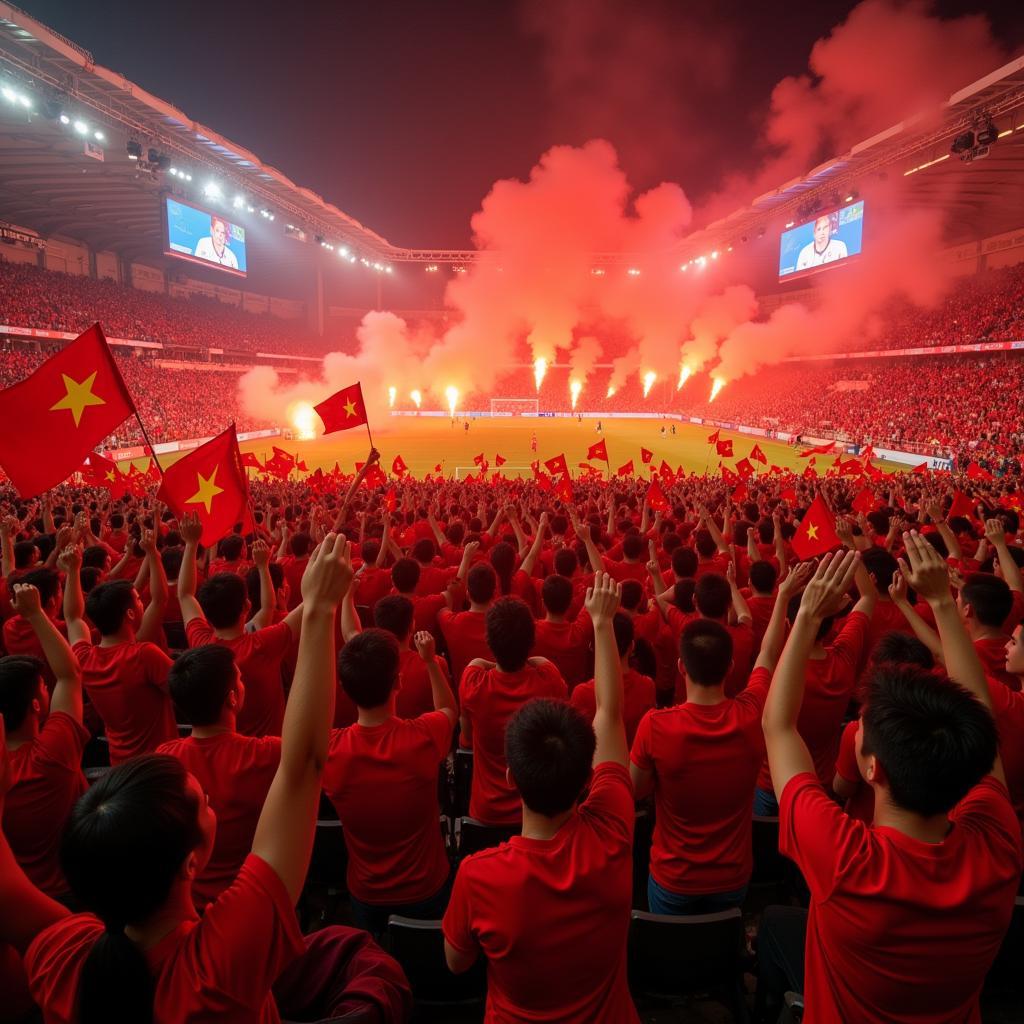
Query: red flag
[[543, 481], [56, 416], [656, 497], [729, 476], [249, 460], [598, 451], [499, 460], [974, 472], [316, 479], [823, 449], [816, 533], [398, 466], [478, 460], [713, 438], [724, 448], [923, 468], [758, 456], [343, 410], [864, 502], [300, 465], [437, 468], [646, 456], [279, 467], [99, 471], [774, 469], [745, 469], [557, 465], [789, 494], [740, 493], [666, 473], [391, 500], [284, 457], [852, 467], [210, 481], [563, 490], [809, 474], [961, 506], [867, 453], [375, 477], [625, 470]]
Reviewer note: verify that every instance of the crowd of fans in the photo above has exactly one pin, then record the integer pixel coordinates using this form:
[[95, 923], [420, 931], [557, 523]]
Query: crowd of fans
[[583, 660]]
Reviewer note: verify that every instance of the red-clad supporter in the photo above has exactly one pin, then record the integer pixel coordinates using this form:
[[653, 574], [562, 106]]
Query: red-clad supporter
[[638, 693], [945, 844], [125, 674], [1008, 708], [490, 693], [45, 740], [231, 557], [565, 960], [293, 556], [465, 632], [381, 776], [563, 641], [234, 771], [19, 636]]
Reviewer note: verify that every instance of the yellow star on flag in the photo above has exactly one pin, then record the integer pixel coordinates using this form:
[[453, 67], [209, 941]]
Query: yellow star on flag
[[78, 395], [207, 490], [350, 408], [812, 532]]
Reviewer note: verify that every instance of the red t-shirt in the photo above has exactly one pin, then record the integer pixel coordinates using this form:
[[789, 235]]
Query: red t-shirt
[[761, 608], [218, 967], [898, 929], [20, 638], [1008, 710], [425, 609], [552, 915], [489, 698], [705, 759], [415, 695], [828, 685], [45, 781], [293, 569], [127, 685], [239, 568], [621, 571], [716, 563], [259, 656], [886, 618], [992, 652], [382, 781], [465, 633], [567, 644], [374, 584], [860, 806], [742, 651], [637, 699], [235, 772], [433, 579]]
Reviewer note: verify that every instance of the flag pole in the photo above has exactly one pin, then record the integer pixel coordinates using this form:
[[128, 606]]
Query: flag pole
[[149, 444]]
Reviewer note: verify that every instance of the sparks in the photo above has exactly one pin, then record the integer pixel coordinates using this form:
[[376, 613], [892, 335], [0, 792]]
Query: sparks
[[684, 376], [716, 386], [611, 391], [303, 419], [540, 367], [392, 395], [649, 378], [452, 394], [416, 397], [575, 387]]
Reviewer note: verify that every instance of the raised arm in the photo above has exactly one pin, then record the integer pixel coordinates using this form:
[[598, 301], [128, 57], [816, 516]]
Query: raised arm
[[583, 532], [517, 528], [739, 603], [70, 563], [771, 645], [191, 530], [439, 537], [654, 568], [602, 602], [716, 533], [899, 597], [8, 530], [824, 595], [67, 694], [385, 543], [468, 554], [284, 835], [371, 460], [350, 624], [440, 690], [948, 536], [153, 617], [268, 596], [530, 561], [995, 534], [780, 544]]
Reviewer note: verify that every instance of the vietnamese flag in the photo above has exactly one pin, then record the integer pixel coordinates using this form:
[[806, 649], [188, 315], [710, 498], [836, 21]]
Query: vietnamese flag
[[809, 474], [864, 502], [250, 461], [740, 493], [210, 481], [729, 476], [756, 455], [598, 451], [437, 468], [656, 499], [774, 469], [557, 465], [851, 468], [713, 438], [816, 533], [667, 473], [563, 490], [56, 416], [391, 500], [724, 448], [745, 469], [789, 494], [499, 460], [962, 506], [543, 481], [626, 469], [478, 460], [284, 457], [398, 466], [974, 472], [375, 476], [300, 465], [823, 449], [344, 410], [646, 456], [99, 471]]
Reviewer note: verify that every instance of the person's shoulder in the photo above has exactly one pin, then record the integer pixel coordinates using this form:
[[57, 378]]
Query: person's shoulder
[[57, 947]]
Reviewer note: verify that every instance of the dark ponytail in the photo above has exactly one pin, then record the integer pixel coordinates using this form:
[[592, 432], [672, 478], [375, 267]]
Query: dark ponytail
[[124, 843], [503, 561]]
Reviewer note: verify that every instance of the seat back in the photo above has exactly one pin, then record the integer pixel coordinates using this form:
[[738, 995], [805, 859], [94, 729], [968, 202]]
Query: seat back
[[673, 956], [419, 947], [475, 836]]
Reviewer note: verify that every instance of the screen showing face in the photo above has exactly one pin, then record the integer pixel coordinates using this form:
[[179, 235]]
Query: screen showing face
[[830, 238], [203, 237]]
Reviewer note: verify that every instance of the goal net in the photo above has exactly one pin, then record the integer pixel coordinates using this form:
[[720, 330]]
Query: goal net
[[514, 407]]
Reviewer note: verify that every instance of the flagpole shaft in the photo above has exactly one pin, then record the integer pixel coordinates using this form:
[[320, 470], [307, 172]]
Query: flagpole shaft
[[149, 444], [368, 434]]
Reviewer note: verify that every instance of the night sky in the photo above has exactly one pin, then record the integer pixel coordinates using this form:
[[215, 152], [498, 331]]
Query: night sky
[[404, 114]]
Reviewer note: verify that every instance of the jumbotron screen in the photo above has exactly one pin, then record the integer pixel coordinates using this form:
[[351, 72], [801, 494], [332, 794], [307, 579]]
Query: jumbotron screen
[[831, 237], [200, 236]]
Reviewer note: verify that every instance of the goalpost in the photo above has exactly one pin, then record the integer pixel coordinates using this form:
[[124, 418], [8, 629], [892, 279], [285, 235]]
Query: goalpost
[[514, 407]]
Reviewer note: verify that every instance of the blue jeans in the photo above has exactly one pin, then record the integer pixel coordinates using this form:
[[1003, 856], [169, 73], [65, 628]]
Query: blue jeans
[[373, 917], [662, 901], [765, 804]]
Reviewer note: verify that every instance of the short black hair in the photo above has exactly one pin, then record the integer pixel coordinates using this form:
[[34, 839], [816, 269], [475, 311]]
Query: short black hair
[[222, 598], [763, 577], [424, 550], [565, 562], [481, 582], [301, 544], [20, 677], [510, 633], [107, 605], [549, 750], [25, 552], [902, 649], [405, 574], [252, 583], [880, 565], [989, 596], [231, 547], [705, 649], [633, 546], [684, 562], [704, 543], [933, 739], [632, 594], [394, 614], [622, 625], [46, 581], [682, 595], [368, 667], [171, 558], [200, 680], [556, 593], [712, 595], [95, 556]]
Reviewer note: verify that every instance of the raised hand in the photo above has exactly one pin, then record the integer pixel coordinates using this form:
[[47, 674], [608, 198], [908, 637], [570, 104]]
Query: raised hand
[[924, 568], [190, 528], [26, 600], [995, 531], [426, 645], [148, 542], [260, 553], [602, 601], [898, 589], [796, 580], [69, 561], [328, 574], [827, 591]]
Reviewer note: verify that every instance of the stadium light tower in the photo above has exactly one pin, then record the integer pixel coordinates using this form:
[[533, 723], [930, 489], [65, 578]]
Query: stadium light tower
[[212, 190]]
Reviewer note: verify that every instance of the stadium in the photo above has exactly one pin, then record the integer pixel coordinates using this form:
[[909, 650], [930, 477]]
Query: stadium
[[658, 535]]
